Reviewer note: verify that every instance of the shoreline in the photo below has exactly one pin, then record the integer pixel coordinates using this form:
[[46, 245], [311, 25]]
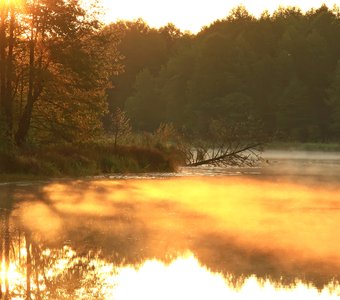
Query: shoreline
[[79, 161], [125, 161]]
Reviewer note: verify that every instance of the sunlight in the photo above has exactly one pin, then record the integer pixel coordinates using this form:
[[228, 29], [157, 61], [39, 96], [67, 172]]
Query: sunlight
[[192, 15], [6, 3], [14, 276], [185, 278], [182, 278]]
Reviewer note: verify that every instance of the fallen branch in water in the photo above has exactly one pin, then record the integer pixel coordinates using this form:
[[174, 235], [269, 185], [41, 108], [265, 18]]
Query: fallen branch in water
[[246, 155], [240, 156]]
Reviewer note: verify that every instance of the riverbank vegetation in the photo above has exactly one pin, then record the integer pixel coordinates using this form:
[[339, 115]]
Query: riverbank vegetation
[[64, 160], [80, 98]]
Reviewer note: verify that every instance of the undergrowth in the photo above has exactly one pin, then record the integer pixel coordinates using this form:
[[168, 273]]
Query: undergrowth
[[87, 159]]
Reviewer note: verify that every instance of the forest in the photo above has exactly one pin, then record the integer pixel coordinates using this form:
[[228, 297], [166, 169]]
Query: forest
[[66, 78], [279, 73]]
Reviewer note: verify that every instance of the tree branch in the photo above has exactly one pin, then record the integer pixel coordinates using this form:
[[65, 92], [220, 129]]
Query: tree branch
[[227, 156]]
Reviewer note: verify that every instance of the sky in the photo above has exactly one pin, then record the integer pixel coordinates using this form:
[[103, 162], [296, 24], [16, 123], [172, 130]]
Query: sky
[[191, 15]]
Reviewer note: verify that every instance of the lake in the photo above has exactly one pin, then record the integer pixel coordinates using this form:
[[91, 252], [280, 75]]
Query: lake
[[268, 232]]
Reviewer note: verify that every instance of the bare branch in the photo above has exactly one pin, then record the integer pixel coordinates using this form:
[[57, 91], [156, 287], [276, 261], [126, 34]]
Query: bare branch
[[229, 158]]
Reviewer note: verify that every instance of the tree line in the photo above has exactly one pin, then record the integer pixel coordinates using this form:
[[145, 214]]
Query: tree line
[[63, 75], [278, 74]]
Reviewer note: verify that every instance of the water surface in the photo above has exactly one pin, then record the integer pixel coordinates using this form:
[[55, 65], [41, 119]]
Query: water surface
[[270, 230]]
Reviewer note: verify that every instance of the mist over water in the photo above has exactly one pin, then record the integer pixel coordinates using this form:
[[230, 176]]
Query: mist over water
[[320, 165], [277, 222], [240, 225]]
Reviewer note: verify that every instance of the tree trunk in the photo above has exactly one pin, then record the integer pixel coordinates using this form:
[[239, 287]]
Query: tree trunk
[[2, 231], [6, 68], [2, 59], [36, 256], [25, 120], [6, 254], [9, 88], [24, 124], [28, 266]]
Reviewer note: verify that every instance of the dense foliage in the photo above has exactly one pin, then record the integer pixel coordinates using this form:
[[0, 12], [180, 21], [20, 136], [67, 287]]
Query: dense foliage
[[241, 77], [279, 73], [55, 65]]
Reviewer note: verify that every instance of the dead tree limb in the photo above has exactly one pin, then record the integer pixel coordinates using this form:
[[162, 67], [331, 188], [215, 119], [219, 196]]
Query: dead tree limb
[[233, 157]]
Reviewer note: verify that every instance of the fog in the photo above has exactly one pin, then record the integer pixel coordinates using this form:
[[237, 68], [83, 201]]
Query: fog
[[281, 229]]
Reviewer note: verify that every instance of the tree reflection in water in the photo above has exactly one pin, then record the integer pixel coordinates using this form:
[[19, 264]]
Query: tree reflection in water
[[36, 273], [62, 274], [126, 239]]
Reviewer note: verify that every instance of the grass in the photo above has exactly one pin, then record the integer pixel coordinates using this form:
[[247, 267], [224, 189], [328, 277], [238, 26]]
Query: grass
[[69, 160]]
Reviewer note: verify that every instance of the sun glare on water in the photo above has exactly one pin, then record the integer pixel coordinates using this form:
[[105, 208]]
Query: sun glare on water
[[14, 277], [183, 278], [10, 3]]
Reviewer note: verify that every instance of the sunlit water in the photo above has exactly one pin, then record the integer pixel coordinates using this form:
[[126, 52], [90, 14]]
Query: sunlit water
[[269, 232], [182, 278]]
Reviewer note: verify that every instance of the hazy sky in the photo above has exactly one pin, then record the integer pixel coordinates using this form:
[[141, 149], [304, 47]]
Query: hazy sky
[[193, 14]]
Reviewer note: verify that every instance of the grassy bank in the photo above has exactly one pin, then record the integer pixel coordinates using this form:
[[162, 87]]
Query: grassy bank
[[328, 147], [84, 160]]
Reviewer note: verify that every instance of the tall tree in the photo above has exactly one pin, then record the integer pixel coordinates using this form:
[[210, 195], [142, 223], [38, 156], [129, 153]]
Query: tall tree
[[143, 48], [145, 106], [56, 61], [8, 34]]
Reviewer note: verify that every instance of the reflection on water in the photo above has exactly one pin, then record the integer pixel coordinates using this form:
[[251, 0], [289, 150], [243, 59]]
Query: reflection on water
[[233, 237], [64, 275]]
